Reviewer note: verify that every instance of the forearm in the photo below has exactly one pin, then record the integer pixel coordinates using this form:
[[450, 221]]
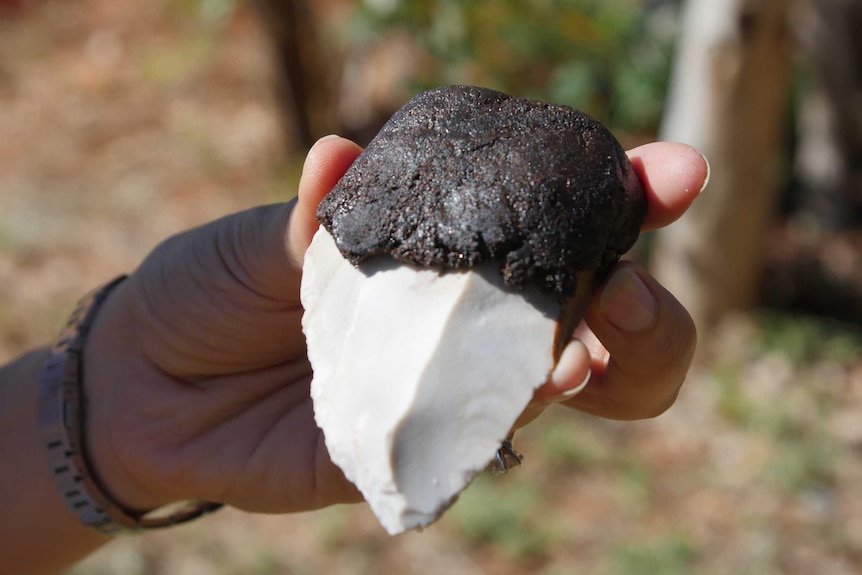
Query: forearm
[[38, 534]]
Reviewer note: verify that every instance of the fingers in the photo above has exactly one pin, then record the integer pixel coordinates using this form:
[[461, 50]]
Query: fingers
[[642, 341], [673, 175], [570, 377], [647, 344], [326, 162]]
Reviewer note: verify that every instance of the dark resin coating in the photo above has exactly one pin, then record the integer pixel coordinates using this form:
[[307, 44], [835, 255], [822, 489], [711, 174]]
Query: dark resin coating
[[462, 175]]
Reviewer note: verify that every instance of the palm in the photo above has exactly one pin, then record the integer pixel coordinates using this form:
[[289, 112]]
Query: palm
[[221, 299], [222, 344]]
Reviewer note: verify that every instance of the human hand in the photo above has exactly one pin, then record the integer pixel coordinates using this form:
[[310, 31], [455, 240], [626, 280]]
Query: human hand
[[196, 367], [636, 343]]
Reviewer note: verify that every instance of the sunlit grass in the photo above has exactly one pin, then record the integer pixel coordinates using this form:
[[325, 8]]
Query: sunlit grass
[[671, 555], [513, 517], [805, 339]]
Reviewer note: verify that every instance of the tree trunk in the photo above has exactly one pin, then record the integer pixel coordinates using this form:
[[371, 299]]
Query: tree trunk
[[728, 99], [307, 71], [829, 156]]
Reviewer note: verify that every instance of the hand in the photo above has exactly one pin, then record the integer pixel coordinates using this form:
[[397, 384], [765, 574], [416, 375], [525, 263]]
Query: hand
[[636, 344], [196, 367]]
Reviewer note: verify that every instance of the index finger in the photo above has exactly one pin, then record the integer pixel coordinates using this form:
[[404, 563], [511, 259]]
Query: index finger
[[673, 175]]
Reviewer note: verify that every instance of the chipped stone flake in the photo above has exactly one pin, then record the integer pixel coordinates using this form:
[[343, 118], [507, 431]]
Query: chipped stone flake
[[418, 376]]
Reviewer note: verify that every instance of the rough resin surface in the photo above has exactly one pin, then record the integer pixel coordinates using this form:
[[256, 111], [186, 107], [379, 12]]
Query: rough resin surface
[[462, 175]]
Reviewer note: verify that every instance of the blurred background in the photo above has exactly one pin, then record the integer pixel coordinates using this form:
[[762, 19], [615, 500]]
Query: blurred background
[[124, 122]]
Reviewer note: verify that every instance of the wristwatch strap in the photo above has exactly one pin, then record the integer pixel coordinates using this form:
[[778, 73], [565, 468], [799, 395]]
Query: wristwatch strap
[[62, 416]]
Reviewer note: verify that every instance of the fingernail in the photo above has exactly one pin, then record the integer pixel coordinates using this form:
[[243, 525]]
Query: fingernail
[[569, 393], [708, 174], [325, 138], [573, 358], [627, 303]]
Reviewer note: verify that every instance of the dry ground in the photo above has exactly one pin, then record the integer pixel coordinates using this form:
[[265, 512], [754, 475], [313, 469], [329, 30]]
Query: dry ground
[[121, 123]]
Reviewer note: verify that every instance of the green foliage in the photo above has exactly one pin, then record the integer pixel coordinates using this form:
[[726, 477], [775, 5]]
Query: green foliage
[[635, 480], [666, 556], [510, 516], [803, 464], [568, 446], [607, 57], [210, 13], [805, 339], [777, 395], [332, 527]]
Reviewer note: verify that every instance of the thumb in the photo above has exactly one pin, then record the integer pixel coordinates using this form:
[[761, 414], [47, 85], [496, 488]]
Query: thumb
[[324, 165], [223, 297]]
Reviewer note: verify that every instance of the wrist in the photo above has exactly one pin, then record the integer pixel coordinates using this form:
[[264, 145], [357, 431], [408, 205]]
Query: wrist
[[35, 515], [80, 425], [111, 363]]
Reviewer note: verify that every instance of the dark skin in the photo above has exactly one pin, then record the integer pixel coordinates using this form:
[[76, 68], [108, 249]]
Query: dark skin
[[199, 385]]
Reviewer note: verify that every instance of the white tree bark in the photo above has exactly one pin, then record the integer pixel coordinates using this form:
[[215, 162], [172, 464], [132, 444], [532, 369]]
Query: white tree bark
[[728, 99]]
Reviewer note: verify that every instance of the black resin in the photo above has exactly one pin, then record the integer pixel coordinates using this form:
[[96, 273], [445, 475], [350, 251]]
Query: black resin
[[462, 175]]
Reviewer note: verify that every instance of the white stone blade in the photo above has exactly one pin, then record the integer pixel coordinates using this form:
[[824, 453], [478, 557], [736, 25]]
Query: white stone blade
[[418, 375]]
